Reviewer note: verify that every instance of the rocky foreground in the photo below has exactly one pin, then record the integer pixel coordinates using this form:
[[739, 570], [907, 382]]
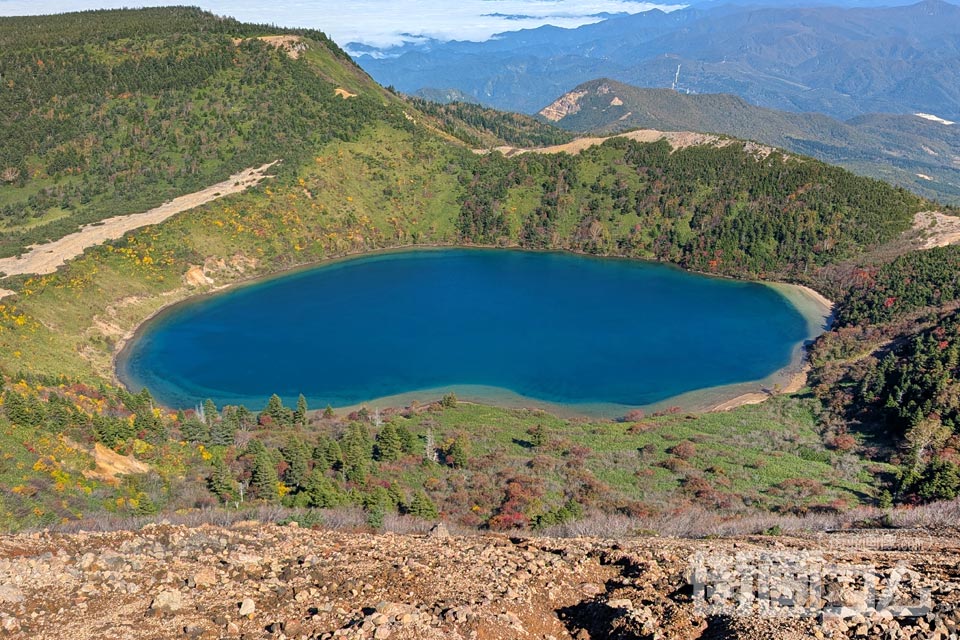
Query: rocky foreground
[[265, 581]]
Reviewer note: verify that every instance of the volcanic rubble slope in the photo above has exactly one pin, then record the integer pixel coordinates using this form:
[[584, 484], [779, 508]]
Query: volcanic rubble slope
[[254, 581]]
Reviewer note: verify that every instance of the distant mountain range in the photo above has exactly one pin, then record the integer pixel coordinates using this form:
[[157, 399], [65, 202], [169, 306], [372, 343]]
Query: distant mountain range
[[911, 151], [843, 62]]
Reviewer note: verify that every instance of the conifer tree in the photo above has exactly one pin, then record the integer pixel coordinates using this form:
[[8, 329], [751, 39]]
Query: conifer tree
[[422, 506], [321, 491], [221, 481], [275, 411], [263, 477], [210, 413], [389, 444], [192, 430], [300, 415], [357, 453], [297, 456], [223, 431]]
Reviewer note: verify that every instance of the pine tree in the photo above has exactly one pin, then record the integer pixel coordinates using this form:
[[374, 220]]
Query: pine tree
[[223, 431], [410, 442], [422, 506], [300, 415], [334, 455], [192, 430], [538, 435], [15, 408], [221, 481], [263, 477], [275, 412], [210, 413], [321, 491], [357, 453], [389, 444], [457, 452], [297, 455]]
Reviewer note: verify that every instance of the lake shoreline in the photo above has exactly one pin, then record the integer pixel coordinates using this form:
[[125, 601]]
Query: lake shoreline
[[811, 305]]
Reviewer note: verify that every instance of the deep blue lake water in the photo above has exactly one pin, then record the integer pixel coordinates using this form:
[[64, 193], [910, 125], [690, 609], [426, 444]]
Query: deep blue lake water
[[552, 327]]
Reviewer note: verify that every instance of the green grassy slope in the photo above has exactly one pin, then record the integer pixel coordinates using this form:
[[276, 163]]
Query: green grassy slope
[[477, 465]]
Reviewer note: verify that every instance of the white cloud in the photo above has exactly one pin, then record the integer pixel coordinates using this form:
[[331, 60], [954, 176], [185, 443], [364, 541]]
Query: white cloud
[[381, 23]]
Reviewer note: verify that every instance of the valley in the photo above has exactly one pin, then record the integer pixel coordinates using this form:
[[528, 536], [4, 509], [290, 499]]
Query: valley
[[158, 156]]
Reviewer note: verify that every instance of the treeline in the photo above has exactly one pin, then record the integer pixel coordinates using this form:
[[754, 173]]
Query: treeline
[[504, 128], [148, 105], [718, 209]]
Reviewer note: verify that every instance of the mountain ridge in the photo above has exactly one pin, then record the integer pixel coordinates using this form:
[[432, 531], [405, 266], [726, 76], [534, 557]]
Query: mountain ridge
[[841, 62], [908, 150]]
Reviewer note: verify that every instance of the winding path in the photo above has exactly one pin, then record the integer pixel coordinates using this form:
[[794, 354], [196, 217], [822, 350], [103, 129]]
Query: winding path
[[47, 258]]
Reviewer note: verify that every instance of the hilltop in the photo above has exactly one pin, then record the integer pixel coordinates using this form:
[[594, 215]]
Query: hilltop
[[908, 150]]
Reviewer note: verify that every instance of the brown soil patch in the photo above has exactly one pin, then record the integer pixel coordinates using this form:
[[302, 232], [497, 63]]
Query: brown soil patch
[[111, 464], [293, 46], [343, 93], [936, 229]]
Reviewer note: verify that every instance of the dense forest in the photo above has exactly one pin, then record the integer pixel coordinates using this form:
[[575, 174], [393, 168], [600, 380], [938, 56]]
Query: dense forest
[[722, 209], [149, 104], [888, 372]]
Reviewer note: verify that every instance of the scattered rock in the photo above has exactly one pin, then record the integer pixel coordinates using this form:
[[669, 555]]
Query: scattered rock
[[170, 601], [10, 593], [257, 581], [247, 607]]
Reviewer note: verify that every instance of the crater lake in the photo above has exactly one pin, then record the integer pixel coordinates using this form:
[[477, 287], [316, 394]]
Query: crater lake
[[591, 335]]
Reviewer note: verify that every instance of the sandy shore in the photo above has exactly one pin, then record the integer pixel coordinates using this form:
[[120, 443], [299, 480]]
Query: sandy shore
[[794, 383], [818, 310], [47, 258]]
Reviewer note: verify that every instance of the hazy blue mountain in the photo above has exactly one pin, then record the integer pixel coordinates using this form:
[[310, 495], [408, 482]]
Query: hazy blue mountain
[[907, 150], [842, 62]]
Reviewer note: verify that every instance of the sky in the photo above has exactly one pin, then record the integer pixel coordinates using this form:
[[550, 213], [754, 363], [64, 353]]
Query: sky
[[380, 23]]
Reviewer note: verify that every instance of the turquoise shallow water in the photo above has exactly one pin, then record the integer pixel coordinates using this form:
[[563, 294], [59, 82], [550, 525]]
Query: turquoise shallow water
[[557, 328]]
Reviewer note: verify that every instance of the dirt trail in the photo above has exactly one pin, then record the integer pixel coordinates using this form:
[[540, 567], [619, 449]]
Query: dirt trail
[[677, 139], [47, 258]]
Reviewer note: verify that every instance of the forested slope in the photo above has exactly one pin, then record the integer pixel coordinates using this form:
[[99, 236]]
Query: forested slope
[[106, 113]]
